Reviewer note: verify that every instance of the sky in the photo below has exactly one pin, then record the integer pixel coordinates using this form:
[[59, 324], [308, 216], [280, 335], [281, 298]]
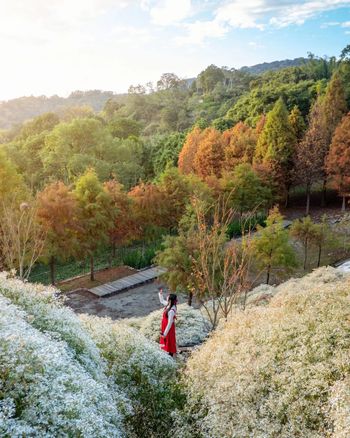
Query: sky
[[57, 46]]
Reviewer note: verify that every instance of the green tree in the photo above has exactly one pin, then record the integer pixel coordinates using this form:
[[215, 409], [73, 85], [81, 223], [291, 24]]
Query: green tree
[[70, 148], [305, 231], [177, 256], [124, 127], [323, 236], [209, 77], [275, 145], [11, 183], [165, 150], [245, 190], [271, 247], [96, 215], [297, 123]]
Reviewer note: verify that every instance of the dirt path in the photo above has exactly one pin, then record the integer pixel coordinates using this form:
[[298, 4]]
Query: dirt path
[[135, 302]]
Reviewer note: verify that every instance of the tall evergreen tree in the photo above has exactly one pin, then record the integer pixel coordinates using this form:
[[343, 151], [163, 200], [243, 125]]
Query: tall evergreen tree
[[275, 146]]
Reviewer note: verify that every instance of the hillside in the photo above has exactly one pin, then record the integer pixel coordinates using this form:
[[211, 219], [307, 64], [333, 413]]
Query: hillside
[[280, 370], [19, 110], [16, 111]]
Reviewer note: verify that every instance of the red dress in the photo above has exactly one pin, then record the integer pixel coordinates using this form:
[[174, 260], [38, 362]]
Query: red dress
[[168, 343]]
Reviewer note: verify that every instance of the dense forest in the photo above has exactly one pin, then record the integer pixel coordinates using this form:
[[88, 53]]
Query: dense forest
[[131, 170]]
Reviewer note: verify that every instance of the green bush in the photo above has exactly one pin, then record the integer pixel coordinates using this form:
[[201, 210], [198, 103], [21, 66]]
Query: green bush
[[238, 226]]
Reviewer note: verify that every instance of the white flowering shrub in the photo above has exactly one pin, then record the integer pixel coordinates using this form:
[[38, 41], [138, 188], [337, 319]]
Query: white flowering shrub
[[45, 391], [281, 370], [340, 408], [192, 327], [62, 375], [47, 314], [146, 374]]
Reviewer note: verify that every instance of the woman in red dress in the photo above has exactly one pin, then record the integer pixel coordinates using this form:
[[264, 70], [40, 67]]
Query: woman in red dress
[[167, 330]]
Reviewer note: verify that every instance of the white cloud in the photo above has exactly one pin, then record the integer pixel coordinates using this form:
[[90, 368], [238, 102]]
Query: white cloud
[[299, 13], [258, 14], [200, 30], [345, 24], [242, 14], [167, 12]]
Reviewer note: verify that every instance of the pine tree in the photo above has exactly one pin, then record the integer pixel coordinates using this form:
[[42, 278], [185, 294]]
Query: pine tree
[[276, 145], [338, 159]]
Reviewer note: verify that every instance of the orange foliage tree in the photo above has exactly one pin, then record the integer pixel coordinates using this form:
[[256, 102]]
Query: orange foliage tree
[[240, 143], [124, 227], [57, 212], [338, 159], [189, 150], [210, 154], [148, 208]]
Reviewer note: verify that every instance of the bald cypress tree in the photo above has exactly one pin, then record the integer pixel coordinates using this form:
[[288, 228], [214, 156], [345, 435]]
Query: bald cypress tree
[[310, 152], [275, 146], [338, 159], [334, 108]]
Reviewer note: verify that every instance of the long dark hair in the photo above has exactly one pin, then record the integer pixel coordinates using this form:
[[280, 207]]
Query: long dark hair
[[172, 300]]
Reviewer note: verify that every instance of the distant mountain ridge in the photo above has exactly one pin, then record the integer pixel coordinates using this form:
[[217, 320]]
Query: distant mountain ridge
[[258, 69], [19, 110]]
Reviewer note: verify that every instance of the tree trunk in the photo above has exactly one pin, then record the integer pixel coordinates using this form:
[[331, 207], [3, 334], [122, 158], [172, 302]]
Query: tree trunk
[[319, 256], [52, 270], [92, 273], [189, 299], [113, 249], [305, 256], [268, 274], [286, 203], [343, 204], [307, 200], [324, 193]]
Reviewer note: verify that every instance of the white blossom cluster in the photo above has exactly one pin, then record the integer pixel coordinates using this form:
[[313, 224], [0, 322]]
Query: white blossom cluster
[[45, 391], [281, 370], [125, 350], [65, 376], [192, 327]]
